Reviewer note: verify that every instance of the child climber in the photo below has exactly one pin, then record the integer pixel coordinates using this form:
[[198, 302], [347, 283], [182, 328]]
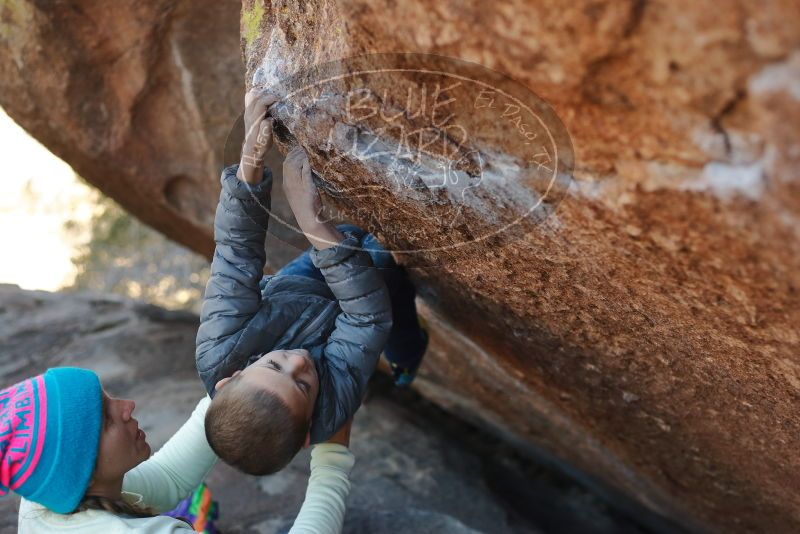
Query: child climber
[[294, 350]]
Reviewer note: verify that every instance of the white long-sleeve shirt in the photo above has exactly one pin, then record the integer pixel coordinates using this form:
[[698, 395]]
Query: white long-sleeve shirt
[[177, 469]]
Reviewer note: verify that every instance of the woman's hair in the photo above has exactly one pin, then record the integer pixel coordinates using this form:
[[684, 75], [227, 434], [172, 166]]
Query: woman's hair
[[118, 507]]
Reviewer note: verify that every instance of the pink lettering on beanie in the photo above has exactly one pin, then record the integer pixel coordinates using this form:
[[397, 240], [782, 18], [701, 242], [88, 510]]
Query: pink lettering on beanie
[[23, 421]]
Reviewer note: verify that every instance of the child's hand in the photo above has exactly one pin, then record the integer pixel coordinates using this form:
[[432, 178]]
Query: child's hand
[[301, 193], [258, 134], [303, 198]]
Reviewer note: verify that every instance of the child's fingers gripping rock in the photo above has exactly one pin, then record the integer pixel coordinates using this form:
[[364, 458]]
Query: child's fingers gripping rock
[[257, 103], [293, 165], [258, 134], [301, 193], [260, 99]]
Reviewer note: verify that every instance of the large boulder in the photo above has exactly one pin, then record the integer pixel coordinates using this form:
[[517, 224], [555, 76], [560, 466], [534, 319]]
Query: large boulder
[[641, 325], [648, 330]]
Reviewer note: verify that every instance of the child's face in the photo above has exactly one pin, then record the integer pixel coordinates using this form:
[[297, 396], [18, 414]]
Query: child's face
[[291, 374]]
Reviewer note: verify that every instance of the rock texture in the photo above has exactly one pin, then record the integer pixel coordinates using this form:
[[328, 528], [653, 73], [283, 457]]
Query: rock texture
[[138, 97], [415, 467], [647, 332]]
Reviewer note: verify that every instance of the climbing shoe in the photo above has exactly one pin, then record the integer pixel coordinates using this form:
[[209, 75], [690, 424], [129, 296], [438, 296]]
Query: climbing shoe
[[403, 376]]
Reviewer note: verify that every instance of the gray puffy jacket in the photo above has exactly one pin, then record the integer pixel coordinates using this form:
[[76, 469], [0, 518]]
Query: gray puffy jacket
[[344, 324]]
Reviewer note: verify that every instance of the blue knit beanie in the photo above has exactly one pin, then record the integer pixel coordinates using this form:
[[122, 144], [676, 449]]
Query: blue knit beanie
[[50, 435]]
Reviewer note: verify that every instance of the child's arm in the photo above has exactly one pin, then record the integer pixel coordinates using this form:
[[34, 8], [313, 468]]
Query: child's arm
[[361, 330], [177, 468], [328, 486], [232, 295]]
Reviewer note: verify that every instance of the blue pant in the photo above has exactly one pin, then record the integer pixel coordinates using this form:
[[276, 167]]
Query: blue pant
[[406, 343]]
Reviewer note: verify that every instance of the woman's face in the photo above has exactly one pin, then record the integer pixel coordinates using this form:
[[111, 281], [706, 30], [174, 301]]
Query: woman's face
[[123, 444]]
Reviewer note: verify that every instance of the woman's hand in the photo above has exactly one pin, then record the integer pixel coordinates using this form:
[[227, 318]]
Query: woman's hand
[[342, 436], [257, 134], [303, 198]]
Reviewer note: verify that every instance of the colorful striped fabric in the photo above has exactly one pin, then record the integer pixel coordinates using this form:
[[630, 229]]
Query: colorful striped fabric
[[199, 509]]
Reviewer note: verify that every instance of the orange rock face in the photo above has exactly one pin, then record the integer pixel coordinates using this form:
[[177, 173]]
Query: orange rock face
[[647, 330], [643, 326]]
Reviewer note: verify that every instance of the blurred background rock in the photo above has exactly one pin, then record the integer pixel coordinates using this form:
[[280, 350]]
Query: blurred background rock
[[60, 233], [123, 256]]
